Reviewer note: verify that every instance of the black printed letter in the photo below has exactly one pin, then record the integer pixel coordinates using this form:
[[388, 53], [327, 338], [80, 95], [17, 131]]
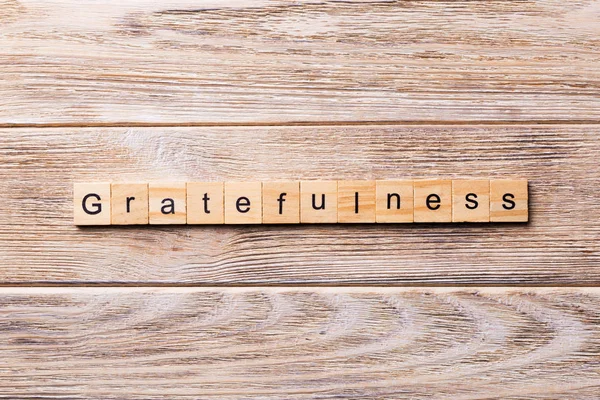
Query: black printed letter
[[433, 199], [281, 200], [322, 206], [98, 206], [471, 199], [128, 203], [206, 199], [243, 202], [508, 198], [168, 208], [389, 200]]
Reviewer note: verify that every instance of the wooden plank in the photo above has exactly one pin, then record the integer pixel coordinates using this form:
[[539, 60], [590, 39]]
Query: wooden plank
[[560, 244], [241, 61], [98, 343]]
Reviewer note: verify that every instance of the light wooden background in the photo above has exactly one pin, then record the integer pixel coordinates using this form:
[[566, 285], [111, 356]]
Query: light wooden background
[[256, 89]]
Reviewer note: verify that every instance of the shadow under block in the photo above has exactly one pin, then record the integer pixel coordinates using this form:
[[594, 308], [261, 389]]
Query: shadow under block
[[394, 201], [281, 202], [243, 202], [509, 200], [129, 203], [91, 203], [205, 203], [471, 200], [433, 201], [318, 202], [356, 201], [167, 203]]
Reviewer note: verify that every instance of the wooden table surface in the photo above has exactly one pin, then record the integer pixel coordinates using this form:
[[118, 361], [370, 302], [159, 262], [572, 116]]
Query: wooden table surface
[[270, 90]]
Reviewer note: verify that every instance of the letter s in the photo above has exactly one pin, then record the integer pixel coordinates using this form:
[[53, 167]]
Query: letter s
[[470, 198], [508, 198]]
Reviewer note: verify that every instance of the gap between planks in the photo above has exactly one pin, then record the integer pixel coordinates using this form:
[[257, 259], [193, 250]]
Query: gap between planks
[[286, 286], [62, 289], [299, 123]]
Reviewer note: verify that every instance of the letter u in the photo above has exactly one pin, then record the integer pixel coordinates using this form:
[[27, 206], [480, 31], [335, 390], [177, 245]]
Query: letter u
[[314, 200]]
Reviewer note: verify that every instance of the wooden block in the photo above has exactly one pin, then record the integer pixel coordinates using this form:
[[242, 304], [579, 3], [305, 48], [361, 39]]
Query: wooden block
[[356, 201], [91, 203], [281, 202], [394, 201], [243, 202], [433, 201], [167, 203], [509, 200], [318, 202], [205, 203], [471, 200], [129, 203]]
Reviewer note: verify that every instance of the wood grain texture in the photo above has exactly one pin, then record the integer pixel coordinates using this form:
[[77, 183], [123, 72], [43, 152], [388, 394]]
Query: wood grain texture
[[299, 344], [256, 61], [560, 245]]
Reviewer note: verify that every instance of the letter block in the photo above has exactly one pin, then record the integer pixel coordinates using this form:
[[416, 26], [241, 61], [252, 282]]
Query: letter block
[[318, 202], [356, 201], [293, 202], [205, 203], [433, 201], [509, 200], [243, 202], [129, 204], [395, 201], [167, 203], [471, 200], [281, 202], [91, 203]]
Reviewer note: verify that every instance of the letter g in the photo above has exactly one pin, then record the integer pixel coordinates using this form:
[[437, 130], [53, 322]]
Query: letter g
[[98, 206]]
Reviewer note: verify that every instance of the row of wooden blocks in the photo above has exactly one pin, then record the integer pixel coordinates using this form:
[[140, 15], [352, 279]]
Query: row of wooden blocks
[[389, 201]]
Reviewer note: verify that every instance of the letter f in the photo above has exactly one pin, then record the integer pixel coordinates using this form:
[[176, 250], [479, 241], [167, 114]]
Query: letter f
[[281, 200]]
